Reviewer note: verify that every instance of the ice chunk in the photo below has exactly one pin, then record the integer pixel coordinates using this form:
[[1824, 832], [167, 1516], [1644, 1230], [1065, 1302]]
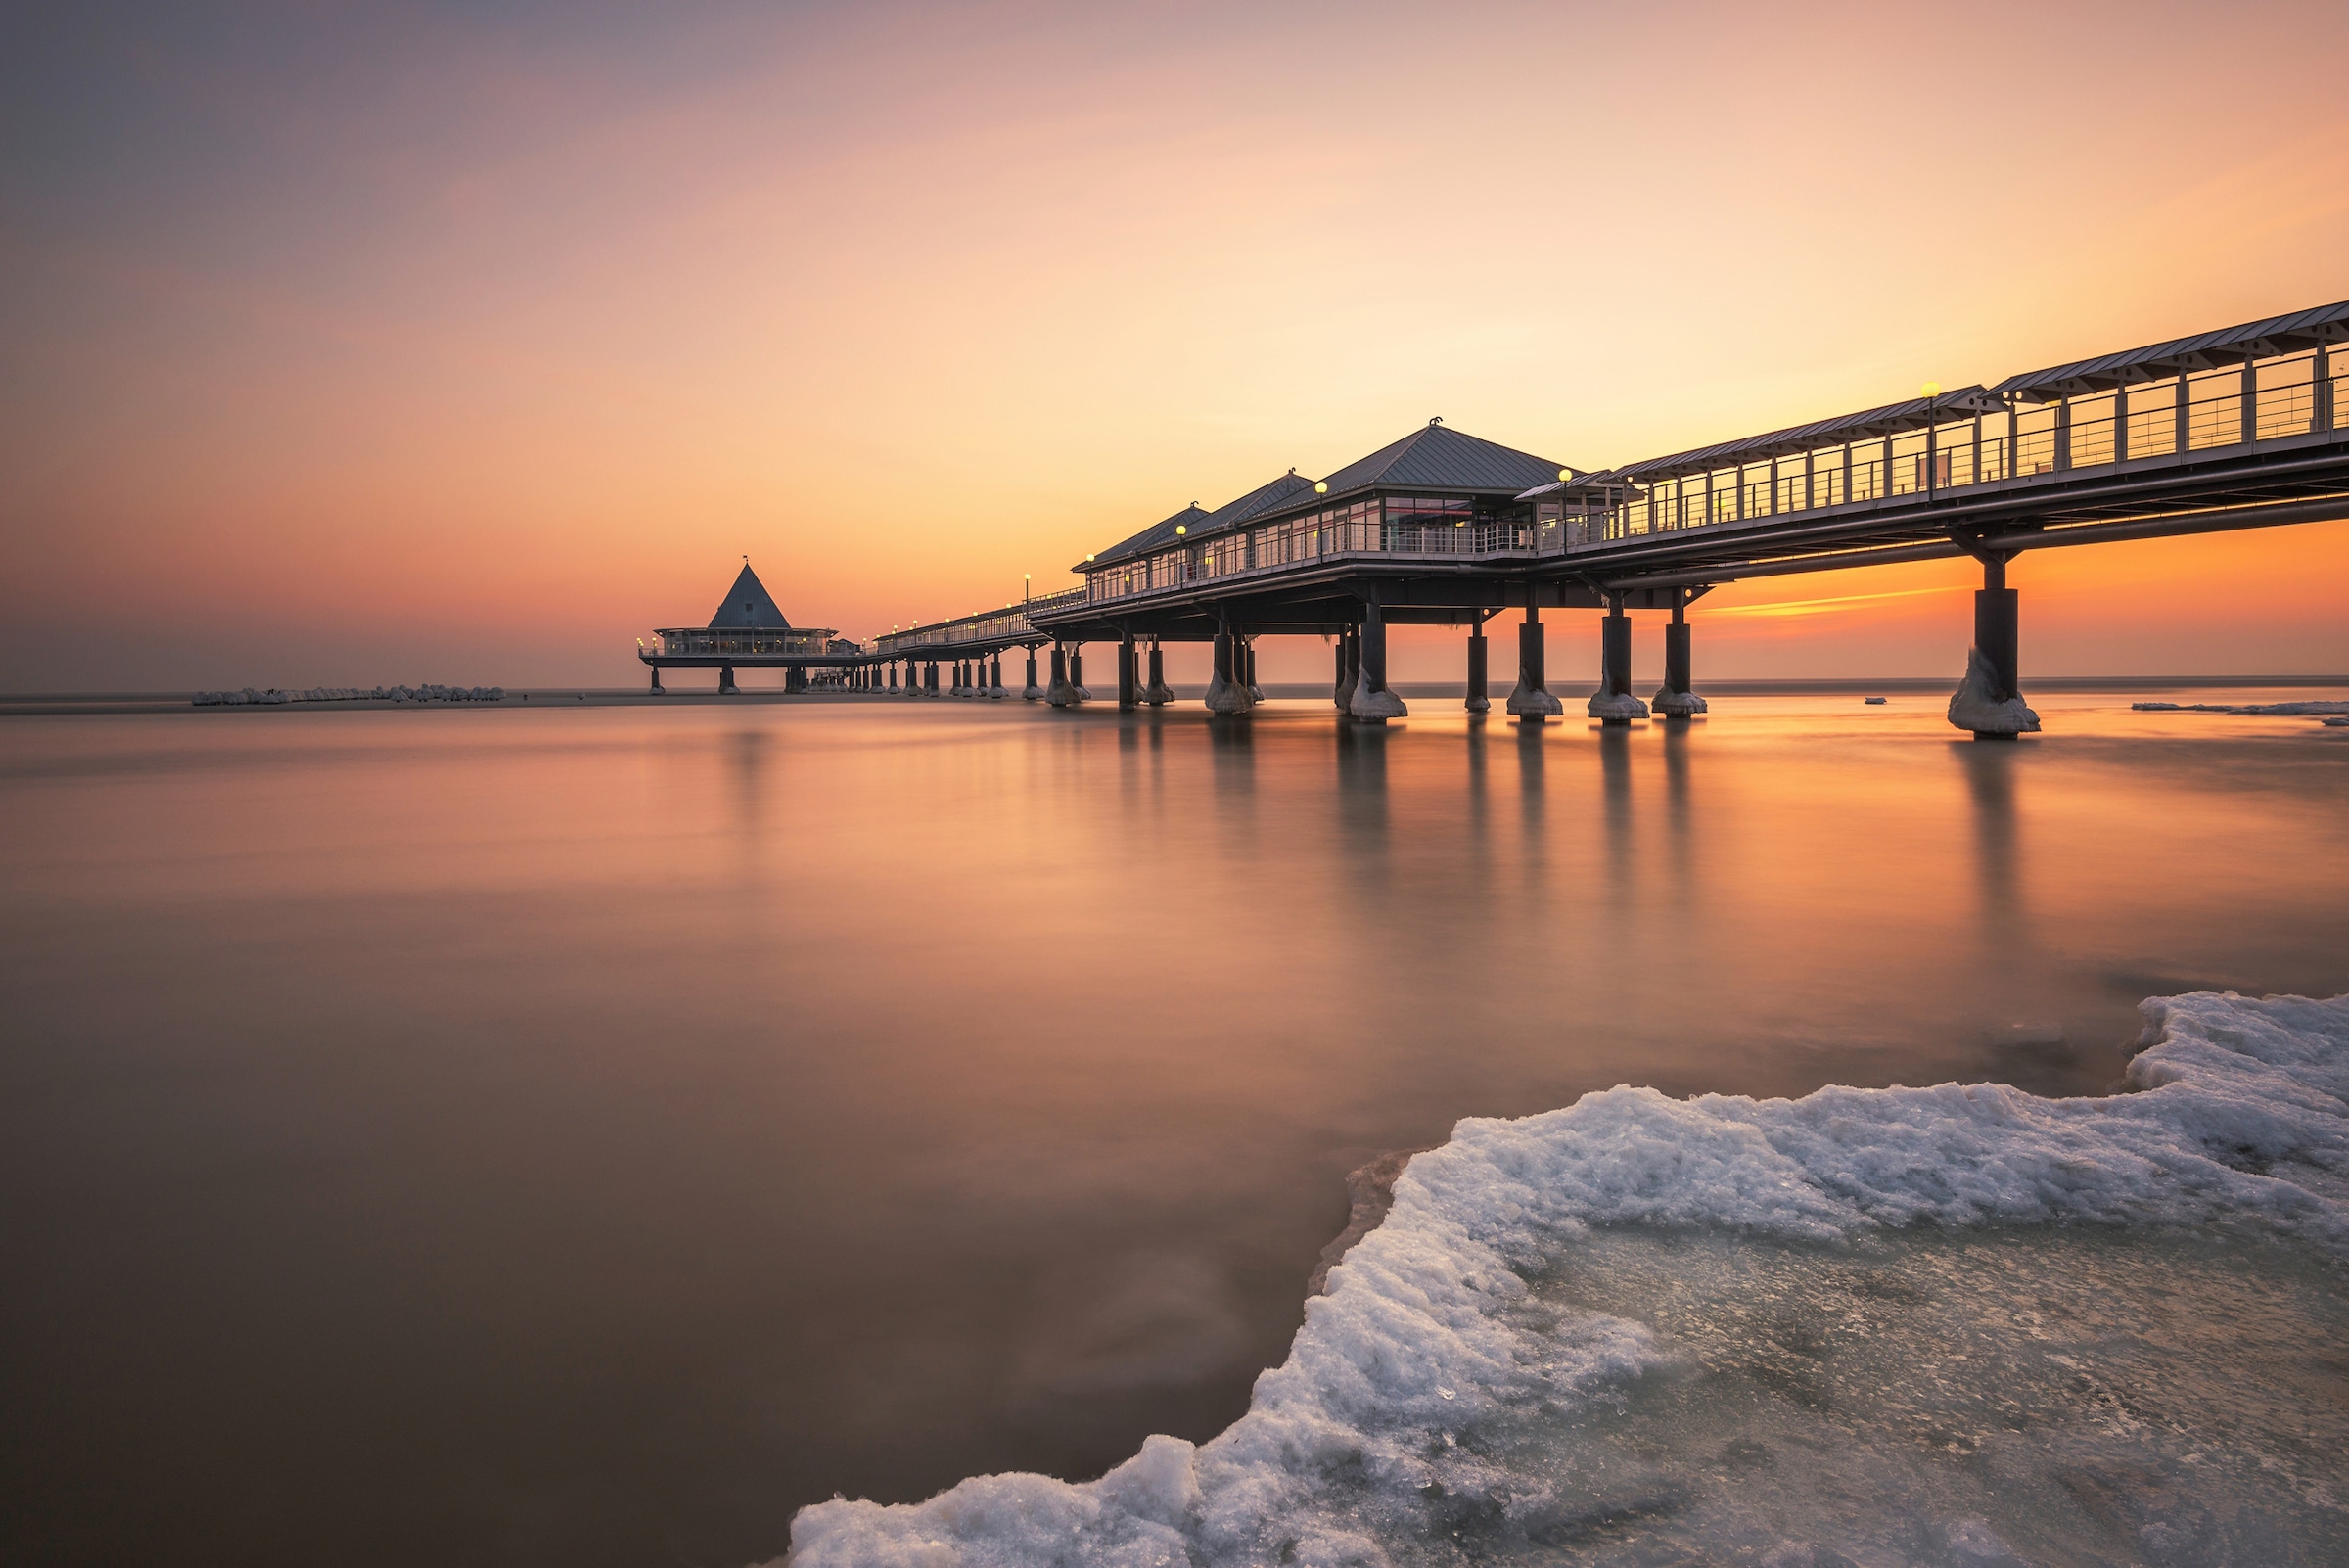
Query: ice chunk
[[1976, 706], [1958, 1325]]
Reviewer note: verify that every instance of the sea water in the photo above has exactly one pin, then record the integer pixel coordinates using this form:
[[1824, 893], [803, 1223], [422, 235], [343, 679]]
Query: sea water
[[598, 1135]]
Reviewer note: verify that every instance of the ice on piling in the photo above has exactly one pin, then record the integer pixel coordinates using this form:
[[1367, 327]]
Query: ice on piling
[[1399, 1428]]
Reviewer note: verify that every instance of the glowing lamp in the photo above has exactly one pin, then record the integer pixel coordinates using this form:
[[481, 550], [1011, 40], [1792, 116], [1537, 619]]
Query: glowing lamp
[[1320, 487], [1932, 389], [1181, 530]]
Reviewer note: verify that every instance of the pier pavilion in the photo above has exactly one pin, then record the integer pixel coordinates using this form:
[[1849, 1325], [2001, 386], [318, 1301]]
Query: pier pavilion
[[750, 630]]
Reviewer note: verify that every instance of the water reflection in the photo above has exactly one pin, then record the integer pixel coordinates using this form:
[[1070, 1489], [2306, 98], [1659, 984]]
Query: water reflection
[[768, 1192], [1989, 782]]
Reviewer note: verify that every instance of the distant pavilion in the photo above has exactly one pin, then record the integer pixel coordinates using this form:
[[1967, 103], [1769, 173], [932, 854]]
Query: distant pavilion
[[749, 629]]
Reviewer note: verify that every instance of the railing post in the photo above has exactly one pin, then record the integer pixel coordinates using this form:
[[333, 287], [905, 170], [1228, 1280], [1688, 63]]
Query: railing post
[[2120, 423], [2320, 385], [2063, 434], [2251, 400]]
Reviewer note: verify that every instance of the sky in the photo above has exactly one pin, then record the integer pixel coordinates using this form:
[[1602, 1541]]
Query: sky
[[405, 342]]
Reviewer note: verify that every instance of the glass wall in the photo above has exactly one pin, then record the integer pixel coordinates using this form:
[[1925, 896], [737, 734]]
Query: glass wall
[[1404, 525]]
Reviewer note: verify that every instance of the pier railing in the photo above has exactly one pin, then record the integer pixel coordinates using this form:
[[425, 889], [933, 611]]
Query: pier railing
[[988, 627], [2265, 401]]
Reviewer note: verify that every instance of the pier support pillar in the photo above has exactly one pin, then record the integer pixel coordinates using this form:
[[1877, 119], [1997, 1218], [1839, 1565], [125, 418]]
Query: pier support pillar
[[1160, 693], [930, 678], [1130, 693], [1077, 672], [1350, 668], [1989, 701], [1480, 655], [1031, 692], [1372, 703], [657, 680], [1530, 701], [1246, 653], [725, 681], [1227, 691], [1341, 686], [1674, 698], [794, 678], [893, 674], [995, 690], [1613, 702], [1061, 693]]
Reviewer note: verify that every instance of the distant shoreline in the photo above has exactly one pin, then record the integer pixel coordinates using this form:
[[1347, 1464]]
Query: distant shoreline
[[54, 704]]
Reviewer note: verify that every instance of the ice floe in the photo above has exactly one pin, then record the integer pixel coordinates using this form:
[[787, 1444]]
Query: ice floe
[[272, 696], [2290, 710], [1960, 1324]]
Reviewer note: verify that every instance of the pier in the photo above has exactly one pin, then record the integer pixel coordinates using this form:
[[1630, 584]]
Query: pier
[[2234, 429]]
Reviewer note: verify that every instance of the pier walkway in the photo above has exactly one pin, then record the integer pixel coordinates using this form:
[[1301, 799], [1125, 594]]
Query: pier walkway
[[2241, 428]]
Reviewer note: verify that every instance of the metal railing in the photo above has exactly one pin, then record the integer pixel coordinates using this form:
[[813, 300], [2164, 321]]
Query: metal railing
[[1276, 549], [2285, 397], [1005, 625]]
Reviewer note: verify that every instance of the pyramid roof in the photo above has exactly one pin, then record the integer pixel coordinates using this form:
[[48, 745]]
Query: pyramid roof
[[749, 606], [1436, 457]]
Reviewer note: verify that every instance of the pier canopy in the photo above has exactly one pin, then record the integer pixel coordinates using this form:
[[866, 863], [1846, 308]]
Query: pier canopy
[[2297, 333], [1869, 424]]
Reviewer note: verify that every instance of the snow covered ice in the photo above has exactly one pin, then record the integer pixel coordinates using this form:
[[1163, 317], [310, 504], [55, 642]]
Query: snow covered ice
[[1957, 1326]]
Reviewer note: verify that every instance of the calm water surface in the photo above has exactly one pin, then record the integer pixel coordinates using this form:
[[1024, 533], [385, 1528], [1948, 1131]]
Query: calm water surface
[[585, 1136]]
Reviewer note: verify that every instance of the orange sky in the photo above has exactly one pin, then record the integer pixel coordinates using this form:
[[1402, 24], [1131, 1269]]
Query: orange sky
[[409, 346]]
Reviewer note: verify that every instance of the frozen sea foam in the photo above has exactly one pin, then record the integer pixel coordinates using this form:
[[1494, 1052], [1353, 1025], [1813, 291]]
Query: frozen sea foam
[[1960, 1324]]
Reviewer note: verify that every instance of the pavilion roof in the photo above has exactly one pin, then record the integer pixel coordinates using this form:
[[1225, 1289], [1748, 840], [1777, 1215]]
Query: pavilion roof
[[749, 606], [1157, 537], [1436, 457]]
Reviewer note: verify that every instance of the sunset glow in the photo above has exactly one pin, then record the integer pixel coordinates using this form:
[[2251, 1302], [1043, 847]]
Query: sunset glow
[[417, 346]]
